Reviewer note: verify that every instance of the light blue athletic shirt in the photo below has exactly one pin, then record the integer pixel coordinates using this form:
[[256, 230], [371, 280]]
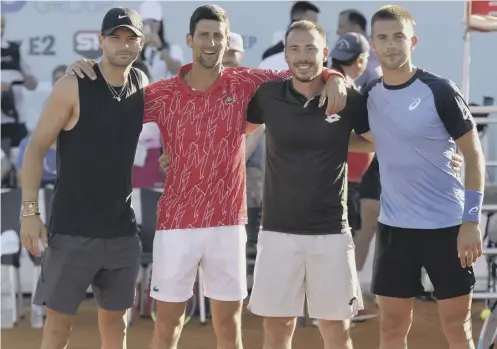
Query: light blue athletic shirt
[[415, 125]]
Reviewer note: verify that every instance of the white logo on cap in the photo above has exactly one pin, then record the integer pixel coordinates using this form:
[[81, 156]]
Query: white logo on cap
[[342, 44], [122, 16]]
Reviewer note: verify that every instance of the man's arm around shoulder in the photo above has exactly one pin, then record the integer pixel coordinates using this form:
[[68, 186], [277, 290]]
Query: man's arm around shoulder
[[56, 116], [255, 111], [361, 140]]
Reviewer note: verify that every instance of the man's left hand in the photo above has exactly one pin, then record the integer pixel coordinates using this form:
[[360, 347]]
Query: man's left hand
[[469, 244], [164, 164], [335, 91], [456, 163]]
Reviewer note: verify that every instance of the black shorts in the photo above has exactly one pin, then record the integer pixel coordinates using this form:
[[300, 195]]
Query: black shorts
[[370, 185], [71, 264], [401, 253], [354, 206]]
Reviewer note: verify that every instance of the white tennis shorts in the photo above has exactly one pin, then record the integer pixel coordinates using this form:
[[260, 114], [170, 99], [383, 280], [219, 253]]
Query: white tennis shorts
[[291, 267], [220, 253]]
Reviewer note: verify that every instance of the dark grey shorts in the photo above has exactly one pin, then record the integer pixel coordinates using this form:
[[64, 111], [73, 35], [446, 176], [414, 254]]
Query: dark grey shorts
[[71, 264]]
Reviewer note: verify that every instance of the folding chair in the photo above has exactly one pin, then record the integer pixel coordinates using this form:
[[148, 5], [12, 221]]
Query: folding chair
[[11, 203], [44, 201], [488, 334], [145, 205]]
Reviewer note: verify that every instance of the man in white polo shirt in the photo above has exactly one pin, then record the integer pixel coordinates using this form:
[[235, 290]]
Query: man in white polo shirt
[[234, 56], [276, 61]]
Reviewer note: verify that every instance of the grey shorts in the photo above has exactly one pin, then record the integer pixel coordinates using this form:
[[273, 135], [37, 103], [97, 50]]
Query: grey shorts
[[71, 264]]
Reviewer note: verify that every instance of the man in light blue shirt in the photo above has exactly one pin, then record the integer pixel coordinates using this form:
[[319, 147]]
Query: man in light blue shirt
[[428, 217]]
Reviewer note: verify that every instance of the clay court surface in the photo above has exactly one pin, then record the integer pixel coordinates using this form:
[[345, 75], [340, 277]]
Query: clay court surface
[[425, 333]]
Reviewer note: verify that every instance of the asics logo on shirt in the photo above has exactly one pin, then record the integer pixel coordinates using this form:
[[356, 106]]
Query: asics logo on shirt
[[415, 104], [474, 210]]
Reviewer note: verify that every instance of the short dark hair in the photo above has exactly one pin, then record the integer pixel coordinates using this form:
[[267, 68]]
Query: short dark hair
[[338, 64], [59, 69], [393, 12], [301, 7], [209, 12], [356, 17], [305, 26]]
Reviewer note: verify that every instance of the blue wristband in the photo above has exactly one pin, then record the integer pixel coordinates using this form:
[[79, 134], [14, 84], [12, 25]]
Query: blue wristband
[[473, 201]]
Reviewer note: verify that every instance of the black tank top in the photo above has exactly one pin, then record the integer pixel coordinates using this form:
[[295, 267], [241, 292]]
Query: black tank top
[[92, 195]]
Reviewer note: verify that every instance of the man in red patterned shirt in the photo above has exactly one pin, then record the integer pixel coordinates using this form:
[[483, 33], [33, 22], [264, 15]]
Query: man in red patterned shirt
[[201, 215]]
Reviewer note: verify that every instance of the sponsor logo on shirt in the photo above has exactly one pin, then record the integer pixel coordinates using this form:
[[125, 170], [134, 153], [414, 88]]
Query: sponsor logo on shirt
[[466, 113], [474, 210], [332, 118], [415, 104]]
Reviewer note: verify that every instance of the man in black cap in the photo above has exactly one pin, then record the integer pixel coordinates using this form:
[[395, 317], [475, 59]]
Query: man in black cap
[[93, 232], [351, 55]]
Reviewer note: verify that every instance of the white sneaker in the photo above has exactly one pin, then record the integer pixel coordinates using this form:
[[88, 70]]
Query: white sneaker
[[364, 315]]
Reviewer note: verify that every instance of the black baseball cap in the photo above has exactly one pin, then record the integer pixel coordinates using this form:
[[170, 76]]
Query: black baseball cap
[[350, 45], [119, 17]]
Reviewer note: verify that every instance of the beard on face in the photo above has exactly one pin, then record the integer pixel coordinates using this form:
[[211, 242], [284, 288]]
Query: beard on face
[[210, 61], [124, 60], [306, 75], [394, 62]]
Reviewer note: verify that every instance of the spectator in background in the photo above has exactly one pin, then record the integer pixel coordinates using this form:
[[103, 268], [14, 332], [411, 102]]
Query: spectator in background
[[158, 60], [300, 10], [162, 58], [350, 56], [6, 165], [16, 75], [139, 64], [146, 170], [234, 57], [353, 21], [370, 187], [50, 161], [254, 152]]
